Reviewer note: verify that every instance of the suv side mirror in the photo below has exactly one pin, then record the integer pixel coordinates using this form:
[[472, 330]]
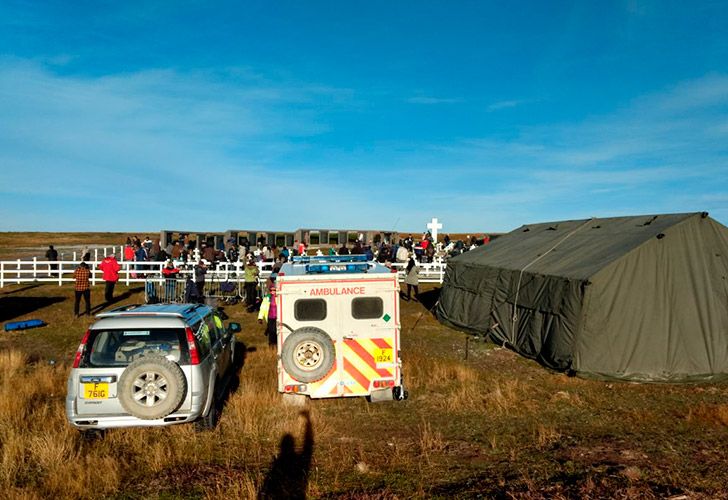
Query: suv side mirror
[[234, 327]]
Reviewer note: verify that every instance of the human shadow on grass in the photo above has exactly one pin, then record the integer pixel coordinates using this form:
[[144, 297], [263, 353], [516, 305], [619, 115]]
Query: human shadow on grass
[[104, 305], [14, 307], [29, 287], [288, 474]]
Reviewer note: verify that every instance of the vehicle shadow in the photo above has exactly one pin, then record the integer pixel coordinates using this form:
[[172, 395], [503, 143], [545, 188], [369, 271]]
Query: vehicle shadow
[[14, 307], [289, 471], [104, 305], [232, 384], [429, 298]]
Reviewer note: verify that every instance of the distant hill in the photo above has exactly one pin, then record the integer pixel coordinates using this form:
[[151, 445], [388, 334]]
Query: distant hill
[[22, 245]]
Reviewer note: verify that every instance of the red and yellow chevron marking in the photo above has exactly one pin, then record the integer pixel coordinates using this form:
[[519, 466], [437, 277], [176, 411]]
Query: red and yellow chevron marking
[[360, 362], [327, 386]]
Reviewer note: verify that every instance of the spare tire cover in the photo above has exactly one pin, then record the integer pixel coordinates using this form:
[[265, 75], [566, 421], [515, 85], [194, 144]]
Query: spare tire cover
[[308, 354], [152, 387]]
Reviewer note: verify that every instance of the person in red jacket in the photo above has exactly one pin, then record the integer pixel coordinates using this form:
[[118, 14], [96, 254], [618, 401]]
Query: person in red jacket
[[110, 268], [170, 273]]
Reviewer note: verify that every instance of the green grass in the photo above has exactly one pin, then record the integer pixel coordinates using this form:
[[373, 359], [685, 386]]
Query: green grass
[[496, 426]]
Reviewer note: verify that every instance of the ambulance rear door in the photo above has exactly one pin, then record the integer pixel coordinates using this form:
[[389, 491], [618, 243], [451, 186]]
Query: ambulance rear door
[[370, 338]]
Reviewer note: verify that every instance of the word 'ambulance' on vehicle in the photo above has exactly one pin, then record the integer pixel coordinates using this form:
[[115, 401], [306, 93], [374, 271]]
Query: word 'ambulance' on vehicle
[[338, 328]]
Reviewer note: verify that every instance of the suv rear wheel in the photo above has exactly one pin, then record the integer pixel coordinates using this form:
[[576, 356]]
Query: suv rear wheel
[[152, 387], [209, 422]]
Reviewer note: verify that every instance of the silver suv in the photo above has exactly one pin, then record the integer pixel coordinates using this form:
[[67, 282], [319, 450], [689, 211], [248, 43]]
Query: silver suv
[[151, 365]]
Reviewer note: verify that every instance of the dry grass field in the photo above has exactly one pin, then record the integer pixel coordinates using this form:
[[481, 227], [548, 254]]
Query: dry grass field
[[492, 426], [17, 245]]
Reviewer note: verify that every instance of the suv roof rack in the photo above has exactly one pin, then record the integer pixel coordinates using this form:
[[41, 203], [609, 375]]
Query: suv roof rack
[[151, 310], [117, 310]]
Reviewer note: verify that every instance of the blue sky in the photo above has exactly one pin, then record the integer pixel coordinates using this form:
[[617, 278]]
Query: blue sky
[[137, 116]]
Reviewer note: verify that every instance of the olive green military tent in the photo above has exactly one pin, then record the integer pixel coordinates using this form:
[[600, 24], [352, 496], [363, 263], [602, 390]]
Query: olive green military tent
[[635, 298]]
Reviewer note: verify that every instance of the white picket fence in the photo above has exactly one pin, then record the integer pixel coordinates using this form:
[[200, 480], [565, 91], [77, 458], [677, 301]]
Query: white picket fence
[[97, 253], [16, 272]]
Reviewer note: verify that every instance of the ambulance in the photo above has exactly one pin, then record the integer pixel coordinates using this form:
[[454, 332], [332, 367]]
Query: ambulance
[[338, 328]]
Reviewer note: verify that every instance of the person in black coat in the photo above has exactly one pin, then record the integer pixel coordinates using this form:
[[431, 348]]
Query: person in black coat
[[52, 255]]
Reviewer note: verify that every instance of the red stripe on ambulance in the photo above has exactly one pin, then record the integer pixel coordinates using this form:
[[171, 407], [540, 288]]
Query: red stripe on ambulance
[[356, 374], [381, 343], [367, 357]]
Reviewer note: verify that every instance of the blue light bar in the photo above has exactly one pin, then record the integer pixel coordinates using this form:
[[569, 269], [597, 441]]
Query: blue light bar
[[337, 268], [306, 259]]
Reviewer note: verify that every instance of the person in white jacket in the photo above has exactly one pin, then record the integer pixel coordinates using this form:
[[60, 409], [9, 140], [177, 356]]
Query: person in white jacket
[[411, 278], [402, 253]]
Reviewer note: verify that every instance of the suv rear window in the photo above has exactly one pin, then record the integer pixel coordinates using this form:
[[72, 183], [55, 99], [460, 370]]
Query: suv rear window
[[121, 347]]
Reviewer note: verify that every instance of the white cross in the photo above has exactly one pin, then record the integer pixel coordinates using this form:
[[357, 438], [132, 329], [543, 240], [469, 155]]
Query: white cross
[[433, 226]]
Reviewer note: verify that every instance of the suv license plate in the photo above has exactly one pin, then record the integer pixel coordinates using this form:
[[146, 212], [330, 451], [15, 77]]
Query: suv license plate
[[96, 390]]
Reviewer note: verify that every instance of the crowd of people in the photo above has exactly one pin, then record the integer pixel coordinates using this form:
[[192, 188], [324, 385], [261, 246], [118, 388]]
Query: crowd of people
[[407, 251]]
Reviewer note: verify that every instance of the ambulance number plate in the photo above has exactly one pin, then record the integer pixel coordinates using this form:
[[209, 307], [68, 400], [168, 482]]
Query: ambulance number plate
[[383, 356]]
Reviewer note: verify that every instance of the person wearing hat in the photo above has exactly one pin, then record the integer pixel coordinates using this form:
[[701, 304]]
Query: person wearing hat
[[251, 282]]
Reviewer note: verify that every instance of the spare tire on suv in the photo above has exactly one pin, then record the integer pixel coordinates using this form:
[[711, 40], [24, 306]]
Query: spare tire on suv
[[152, 387]]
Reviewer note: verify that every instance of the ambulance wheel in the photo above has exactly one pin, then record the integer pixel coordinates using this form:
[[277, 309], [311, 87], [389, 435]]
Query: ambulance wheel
[[308, 354]]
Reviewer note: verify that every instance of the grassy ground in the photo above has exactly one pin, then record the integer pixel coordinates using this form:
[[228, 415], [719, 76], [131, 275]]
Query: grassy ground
[[494, 426]]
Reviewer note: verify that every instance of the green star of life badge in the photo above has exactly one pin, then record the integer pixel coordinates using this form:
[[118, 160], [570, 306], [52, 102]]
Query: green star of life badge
[[386, 317]]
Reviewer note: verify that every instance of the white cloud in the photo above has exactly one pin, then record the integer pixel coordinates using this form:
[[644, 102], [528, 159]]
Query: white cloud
[[663, 152], [221, 149], [432, 100], [155, 142], [496, 106]]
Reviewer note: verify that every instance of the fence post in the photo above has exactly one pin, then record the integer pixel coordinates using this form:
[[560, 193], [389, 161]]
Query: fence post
[[60, 273], [35, 268], [74, 256], [17, 277], [2, 274]]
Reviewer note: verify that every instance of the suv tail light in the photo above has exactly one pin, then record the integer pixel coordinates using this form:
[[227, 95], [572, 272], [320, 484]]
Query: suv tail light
[[81, 349], [192, 347]]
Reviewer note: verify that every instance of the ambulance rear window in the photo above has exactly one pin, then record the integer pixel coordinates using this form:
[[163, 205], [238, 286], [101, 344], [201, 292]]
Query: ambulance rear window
[[367, 308], [309, 309]]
